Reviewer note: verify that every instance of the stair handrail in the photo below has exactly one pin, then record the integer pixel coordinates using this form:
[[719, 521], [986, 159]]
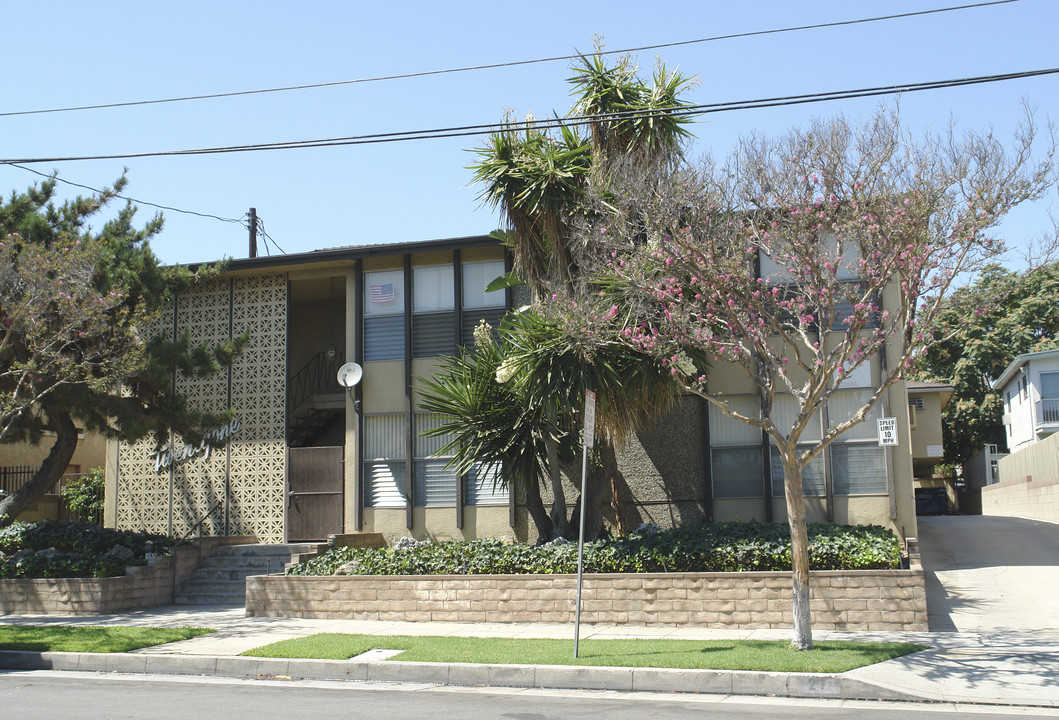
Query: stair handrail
[[203, 519], [317, 374]]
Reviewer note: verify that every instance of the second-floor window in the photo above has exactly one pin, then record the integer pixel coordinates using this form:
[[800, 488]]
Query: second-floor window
[[384, 315], [433, 311]]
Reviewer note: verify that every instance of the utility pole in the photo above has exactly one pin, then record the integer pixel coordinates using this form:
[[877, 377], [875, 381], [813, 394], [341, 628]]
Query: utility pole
[[253, 232]]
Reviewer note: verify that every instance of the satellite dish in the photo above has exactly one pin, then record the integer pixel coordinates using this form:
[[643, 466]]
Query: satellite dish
[[349, 375]]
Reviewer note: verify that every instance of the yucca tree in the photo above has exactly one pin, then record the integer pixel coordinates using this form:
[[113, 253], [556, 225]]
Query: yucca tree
[[549, 363], [493, 425], [537, 180], [626, 116], [534, 179]]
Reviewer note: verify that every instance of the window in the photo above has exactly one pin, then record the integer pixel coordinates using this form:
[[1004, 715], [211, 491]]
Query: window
[[914, 406], [814, 484], [736, 460], [858, 464], [1049, 405], [482, 487], [858, 469], [477, 303], [384, 315], [435, 484], [848, 263], [1049, 385], [844, 404], [433, 315], [385, 471]]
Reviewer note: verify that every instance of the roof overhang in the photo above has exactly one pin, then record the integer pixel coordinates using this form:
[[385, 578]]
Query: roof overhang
[[348, 254], [1016, 365]]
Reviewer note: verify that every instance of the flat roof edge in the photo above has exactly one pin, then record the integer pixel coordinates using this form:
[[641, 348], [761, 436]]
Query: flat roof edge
[[352, 252]]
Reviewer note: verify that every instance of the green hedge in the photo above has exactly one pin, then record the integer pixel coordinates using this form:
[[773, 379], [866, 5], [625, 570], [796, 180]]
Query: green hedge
[[72, 549], [722, 547]]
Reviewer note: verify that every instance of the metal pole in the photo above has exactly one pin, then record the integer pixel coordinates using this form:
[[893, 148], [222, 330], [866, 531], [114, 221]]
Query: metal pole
[[589, 437], [580, 550]]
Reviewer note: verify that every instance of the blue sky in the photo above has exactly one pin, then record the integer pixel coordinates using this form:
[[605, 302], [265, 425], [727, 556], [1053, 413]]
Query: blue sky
[[78, 53]]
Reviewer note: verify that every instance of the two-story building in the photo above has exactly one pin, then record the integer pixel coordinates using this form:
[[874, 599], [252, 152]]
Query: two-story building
[[304, 458], [1030, 388]]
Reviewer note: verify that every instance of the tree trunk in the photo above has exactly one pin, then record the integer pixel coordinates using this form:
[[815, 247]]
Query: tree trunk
[[596, 489], [559, 523], [51, 470], [802, 637], [535, 507], [609, 460]]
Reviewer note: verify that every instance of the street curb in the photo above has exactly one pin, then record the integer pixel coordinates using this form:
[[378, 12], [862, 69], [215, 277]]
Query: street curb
[[565, 677]]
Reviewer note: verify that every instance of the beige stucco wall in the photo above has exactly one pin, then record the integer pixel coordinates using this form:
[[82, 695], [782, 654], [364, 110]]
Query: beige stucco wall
[[91, 452], [439, 523], [928, 426]]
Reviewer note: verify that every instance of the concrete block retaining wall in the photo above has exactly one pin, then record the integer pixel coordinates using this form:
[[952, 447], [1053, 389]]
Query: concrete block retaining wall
[[854, 600], [1023, 497], [149, 585]]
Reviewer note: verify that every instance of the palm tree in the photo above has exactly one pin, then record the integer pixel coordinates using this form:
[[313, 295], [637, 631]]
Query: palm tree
[[493, 426], [537, 180]]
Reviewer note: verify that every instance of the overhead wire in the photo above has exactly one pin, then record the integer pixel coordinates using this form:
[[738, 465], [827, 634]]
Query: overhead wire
[[514, 63], [569, 121], [691, 110], [56, 178], [268, 238]]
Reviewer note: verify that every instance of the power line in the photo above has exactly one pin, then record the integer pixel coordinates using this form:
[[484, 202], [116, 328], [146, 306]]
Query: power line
[[268, 238], [515, 63], [240, 221], [574, 121]]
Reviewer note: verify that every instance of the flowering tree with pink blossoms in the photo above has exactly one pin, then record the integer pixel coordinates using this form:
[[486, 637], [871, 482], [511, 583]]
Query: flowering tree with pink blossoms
[[798, 260]]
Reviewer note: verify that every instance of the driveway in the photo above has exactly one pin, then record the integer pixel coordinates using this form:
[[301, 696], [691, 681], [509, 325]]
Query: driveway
[[987, 574]]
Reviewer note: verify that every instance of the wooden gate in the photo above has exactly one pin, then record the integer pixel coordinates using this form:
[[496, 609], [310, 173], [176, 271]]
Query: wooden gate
[[315, 493]]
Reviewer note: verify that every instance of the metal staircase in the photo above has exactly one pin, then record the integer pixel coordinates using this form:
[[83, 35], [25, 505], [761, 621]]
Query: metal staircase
[[315, 400]]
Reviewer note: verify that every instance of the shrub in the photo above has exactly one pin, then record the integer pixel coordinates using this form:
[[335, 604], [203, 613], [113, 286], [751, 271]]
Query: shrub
[[723, 547], [83, 495], [71, 549]]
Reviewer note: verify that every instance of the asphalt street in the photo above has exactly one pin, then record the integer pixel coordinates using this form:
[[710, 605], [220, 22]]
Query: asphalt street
[[29, 696]]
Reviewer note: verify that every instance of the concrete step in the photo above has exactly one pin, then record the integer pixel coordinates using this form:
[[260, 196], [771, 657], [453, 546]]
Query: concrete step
[[221, 580], [259, 565], [237, 599], [227, 587], [219, 574], [264, 550]]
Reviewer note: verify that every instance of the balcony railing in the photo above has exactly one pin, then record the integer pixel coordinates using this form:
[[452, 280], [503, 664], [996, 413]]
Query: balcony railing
[[318, 375], [1048, 411]]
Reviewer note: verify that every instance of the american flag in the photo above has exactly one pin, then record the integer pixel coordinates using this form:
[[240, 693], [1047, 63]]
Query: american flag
[[381, 293]]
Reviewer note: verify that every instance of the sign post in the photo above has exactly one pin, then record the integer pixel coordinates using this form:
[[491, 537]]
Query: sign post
[[589, 437]]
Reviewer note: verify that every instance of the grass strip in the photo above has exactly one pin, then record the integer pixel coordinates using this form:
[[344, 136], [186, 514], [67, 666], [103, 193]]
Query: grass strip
[[71, 638], [775, 656]]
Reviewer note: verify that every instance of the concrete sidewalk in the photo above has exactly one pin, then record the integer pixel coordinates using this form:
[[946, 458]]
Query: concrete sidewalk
[[1008, 668]]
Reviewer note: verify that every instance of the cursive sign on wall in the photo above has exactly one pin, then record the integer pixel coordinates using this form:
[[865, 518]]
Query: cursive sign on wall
[[166, 456]]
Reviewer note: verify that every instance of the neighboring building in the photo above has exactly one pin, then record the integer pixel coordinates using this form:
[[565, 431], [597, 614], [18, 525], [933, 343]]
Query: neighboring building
[[925, 403], [1030, 388], [305, 459], [18, 462]]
